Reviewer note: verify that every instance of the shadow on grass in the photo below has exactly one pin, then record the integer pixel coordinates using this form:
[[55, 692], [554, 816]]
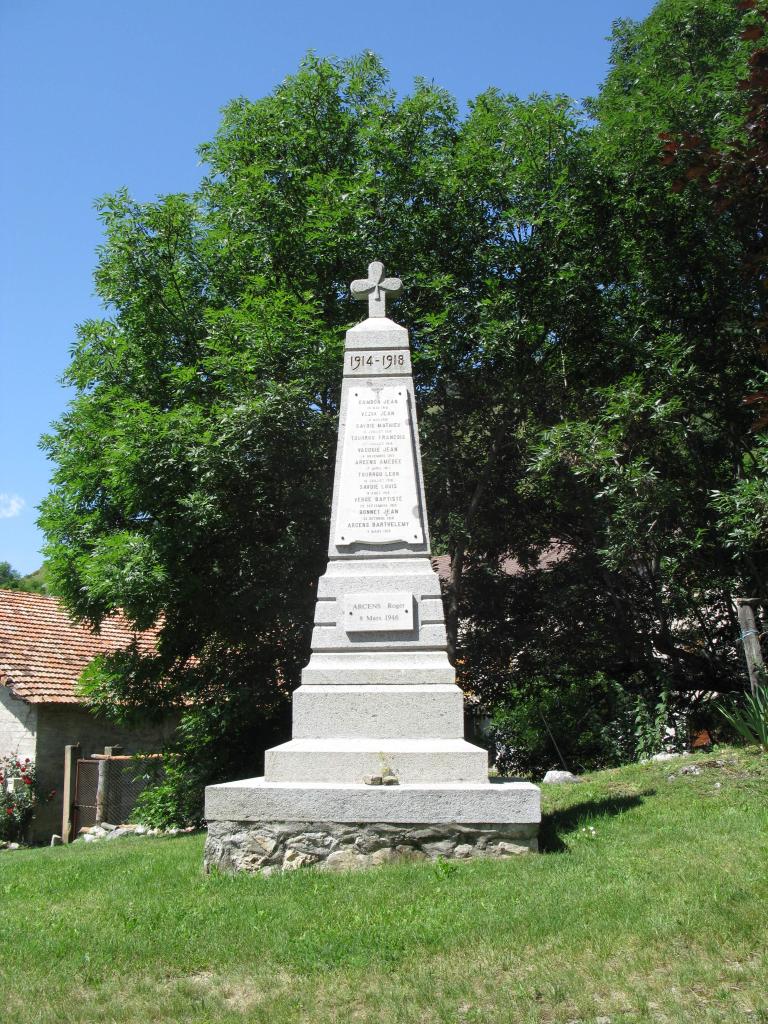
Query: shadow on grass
[[558, 823]]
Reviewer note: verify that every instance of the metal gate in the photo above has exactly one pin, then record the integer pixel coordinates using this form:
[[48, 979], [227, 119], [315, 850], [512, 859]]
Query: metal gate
[[107, 787], [86, 784]]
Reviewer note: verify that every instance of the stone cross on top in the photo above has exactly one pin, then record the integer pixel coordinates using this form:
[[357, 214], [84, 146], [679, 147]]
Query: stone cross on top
[[375, 288]]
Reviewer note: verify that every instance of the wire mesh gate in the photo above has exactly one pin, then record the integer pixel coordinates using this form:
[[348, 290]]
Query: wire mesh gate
[[108, 786], [86, 784]]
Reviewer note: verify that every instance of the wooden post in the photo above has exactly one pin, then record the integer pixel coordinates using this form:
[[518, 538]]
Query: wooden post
[[102, 786], [750, 637], [71, 756], [101, 791]]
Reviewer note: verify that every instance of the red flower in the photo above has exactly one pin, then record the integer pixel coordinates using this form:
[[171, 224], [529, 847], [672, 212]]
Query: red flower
[[9, 810]]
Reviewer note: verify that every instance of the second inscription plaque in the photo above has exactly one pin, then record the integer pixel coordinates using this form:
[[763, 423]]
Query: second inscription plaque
[[378, 500]]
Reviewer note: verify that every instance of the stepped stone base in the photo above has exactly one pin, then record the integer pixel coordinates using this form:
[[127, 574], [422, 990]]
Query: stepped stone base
[[266, 847], [259, 825], [349, 759]]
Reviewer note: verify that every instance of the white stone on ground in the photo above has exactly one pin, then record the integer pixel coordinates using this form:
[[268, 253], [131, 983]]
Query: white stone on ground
[[559, 776]]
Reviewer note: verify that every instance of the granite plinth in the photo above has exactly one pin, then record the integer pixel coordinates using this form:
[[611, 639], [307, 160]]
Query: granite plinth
[[378, 668], [262, 826], [497, 803]]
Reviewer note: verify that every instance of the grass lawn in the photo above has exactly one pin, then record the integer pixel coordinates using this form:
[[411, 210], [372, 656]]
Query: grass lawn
[[657, 915]]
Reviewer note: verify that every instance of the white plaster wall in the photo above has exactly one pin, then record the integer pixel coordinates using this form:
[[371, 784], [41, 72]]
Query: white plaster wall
[[18, 726], [63, 724]]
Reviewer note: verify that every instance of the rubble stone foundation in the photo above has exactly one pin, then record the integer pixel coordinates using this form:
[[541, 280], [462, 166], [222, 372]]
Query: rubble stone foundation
[[266, 847]]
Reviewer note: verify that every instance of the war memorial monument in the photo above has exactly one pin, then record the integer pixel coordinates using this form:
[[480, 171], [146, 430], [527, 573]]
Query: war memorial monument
[[378, 768]]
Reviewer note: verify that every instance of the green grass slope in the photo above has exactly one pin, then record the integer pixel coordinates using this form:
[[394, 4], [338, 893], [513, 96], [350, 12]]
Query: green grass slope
[[648, 904]]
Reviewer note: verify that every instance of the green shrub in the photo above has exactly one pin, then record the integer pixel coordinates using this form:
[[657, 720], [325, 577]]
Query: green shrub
[[212, 744], [749, 717], [18, 797], [173, 798], [651, 718], [584, 724], [564, 721]]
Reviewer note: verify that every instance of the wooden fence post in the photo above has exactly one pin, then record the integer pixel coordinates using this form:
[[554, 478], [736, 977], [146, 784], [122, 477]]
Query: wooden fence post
[[71, 756], [750, 637], [102, 787]]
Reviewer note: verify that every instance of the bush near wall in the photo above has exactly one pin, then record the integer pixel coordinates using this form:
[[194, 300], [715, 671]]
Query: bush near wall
[[18, 797]]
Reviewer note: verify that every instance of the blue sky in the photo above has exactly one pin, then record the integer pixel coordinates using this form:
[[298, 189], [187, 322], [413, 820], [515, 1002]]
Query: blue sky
[[96, 94]]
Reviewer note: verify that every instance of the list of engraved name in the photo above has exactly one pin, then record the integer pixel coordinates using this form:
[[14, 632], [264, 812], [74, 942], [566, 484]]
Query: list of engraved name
[[378, 499]]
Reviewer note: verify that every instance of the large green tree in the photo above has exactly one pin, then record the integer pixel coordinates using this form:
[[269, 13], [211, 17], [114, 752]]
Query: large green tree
[[194, 464], [634, 482], [9, 577], [578, 334]]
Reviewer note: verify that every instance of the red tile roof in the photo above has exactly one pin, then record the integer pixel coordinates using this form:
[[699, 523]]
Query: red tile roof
[[552, 555], [43, 652]]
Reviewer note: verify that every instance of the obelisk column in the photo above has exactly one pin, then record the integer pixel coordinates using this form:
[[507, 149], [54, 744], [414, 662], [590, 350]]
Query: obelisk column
[[378, 699], [379, 689]]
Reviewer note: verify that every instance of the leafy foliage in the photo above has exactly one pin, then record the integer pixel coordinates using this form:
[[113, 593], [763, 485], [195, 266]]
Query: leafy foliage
[[18, 796], [733, 175], [173, 797], [582, 335], [749, 717], [563, 722], [651, 480], [9, 577]]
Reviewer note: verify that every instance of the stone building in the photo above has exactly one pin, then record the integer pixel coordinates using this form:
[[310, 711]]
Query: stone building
[[42, 654]]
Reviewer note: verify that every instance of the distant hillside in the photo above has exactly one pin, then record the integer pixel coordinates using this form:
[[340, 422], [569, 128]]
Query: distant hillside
[[34, 583]]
